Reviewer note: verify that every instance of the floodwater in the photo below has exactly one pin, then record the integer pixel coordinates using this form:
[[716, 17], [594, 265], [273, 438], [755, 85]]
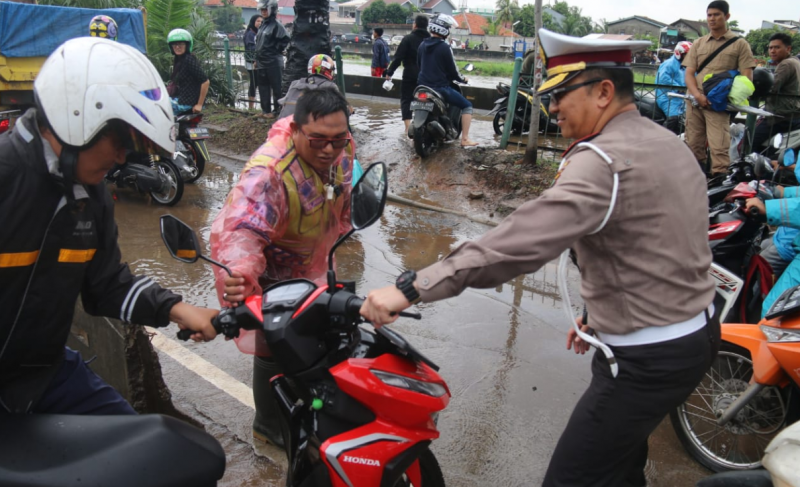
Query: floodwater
[[501, 350]]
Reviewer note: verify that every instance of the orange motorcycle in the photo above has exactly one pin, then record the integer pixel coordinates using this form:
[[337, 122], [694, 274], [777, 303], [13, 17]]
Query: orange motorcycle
[[749, 394]]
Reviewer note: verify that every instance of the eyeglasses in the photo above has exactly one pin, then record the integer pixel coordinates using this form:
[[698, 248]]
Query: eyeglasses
[[320, 143], [558, 94]]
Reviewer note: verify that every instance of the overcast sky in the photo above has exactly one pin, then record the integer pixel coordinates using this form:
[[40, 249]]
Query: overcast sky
[[749, 13]]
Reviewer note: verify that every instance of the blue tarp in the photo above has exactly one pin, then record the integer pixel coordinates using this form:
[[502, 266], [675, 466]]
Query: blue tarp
[[37, 30]]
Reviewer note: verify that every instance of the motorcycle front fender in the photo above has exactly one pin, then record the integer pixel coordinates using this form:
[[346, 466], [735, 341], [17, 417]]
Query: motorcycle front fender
[[420, 117], [766, 369]]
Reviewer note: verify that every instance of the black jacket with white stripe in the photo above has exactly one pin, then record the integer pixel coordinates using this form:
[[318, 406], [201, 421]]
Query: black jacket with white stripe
[[50, 253]]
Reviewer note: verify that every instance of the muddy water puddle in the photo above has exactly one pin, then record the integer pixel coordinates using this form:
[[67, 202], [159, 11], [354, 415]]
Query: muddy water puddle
[[501, 350]]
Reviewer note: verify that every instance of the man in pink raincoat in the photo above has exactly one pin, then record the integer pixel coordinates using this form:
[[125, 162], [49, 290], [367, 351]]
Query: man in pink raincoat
[[280, 221]]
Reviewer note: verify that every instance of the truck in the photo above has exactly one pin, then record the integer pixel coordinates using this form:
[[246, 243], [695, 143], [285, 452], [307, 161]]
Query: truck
[[29, 33]]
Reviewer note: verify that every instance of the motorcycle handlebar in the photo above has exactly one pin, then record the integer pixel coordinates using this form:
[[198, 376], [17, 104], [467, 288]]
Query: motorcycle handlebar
[[355, 304], [216, 323]]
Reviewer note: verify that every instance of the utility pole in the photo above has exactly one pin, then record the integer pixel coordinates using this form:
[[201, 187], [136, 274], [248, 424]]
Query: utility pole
[[532, 149]]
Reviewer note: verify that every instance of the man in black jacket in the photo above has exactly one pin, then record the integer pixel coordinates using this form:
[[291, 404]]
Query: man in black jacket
[[96, 101], [407, 54], [271, 40]]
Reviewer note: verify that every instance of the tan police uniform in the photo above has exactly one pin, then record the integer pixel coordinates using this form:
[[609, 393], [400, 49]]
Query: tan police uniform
[[704, 124], [645, 276]]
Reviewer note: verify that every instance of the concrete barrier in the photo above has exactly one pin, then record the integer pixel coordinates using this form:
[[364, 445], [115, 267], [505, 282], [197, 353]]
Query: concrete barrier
[[481, 98], [365, 50], [125, 359]]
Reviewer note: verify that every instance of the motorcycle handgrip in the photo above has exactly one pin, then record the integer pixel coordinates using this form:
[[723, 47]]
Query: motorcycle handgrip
[[184, 334], [753, 211], [356, 302]]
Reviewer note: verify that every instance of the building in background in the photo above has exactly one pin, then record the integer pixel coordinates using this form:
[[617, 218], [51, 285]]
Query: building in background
[[636, 25]]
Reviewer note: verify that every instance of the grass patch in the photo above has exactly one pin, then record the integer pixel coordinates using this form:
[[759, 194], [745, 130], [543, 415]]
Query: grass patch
[[487, 68]]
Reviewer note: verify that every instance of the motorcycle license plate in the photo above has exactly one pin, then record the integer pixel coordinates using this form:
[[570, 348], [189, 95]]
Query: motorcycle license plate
[[198, 133], [422, 105]]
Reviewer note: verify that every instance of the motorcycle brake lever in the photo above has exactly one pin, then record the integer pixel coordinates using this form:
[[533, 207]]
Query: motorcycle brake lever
[[406, 314]]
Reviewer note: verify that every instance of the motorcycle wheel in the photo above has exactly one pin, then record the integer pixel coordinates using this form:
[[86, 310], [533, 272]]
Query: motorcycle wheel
[[430, 470], [423, 143], [174, 192], [198, 159], [740, 444], [499, 123]]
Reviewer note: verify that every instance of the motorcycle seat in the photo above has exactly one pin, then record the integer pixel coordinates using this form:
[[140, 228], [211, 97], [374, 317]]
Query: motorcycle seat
[[124, 451]]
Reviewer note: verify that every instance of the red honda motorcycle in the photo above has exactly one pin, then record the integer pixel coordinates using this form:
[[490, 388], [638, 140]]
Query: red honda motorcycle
[[361, 403]]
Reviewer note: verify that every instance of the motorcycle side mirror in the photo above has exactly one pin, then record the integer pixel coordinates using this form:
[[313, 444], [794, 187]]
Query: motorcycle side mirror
[[777, 141], [469, 67], [366, 206], [182, 242]]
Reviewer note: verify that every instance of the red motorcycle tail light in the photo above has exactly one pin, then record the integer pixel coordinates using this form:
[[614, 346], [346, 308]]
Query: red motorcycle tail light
[[4, 125], [422, 96]]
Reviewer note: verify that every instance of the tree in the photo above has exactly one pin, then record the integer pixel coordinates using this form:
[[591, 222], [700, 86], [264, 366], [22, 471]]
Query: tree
[[549, 23], [395, 14], [573, 26], [228, 17], [375, 13], [601, 26], [507, 11], [759, 39], [527, 21], [492, 28], [644, 37], [733, 24]]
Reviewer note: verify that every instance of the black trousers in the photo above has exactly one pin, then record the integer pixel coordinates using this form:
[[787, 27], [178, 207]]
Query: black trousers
[[605, 442], [251, 90], [764, 131], [406, 96], [269, 83]]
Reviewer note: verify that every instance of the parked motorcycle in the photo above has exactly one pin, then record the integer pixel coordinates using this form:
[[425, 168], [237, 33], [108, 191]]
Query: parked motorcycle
[[780, 461], [191, 153], [361, 403], [741, 276], [522, 111], [749, 394], [149, 174], [124, 451]]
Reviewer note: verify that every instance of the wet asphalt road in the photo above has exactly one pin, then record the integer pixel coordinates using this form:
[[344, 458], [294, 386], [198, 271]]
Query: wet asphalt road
[[501, 350]]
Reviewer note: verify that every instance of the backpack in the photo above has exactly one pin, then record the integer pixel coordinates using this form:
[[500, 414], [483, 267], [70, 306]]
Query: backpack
[[717, 88]]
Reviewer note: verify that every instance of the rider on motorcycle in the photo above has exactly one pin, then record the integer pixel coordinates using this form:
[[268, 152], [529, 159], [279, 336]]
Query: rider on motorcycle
[[437, 69], [281, 219], [188, 84], [672, 73], [781, 251], [96, 100], [321, 71]]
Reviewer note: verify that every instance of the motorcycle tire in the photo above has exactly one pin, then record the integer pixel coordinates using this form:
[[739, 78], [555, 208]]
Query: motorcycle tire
[[429, 468], [499, 124], [174, 193], [423, 143], [198, 159], [737, 445]]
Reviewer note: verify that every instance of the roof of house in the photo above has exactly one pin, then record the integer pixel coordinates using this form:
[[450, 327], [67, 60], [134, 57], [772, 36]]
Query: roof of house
[[387, 2], [476, 24], [285, 3], [697, 26], [641, 18], [609, 37], [353, 3], [433, 3]]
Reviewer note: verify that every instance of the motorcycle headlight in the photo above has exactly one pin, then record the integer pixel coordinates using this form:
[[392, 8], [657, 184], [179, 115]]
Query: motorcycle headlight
[[403, 382], [780, 335]]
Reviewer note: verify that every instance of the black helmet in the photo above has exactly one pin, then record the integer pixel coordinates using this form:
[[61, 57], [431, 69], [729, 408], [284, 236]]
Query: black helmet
[[763, 81]]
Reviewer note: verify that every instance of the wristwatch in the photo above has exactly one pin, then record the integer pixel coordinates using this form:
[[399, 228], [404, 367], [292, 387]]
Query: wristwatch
[[405, 283]]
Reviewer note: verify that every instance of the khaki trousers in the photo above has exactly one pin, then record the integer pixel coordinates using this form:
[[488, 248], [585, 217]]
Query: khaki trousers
[[706, 125]]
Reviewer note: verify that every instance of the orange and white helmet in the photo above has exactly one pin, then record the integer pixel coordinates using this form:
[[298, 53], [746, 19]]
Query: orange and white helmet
[[323, 65], [682, 49]]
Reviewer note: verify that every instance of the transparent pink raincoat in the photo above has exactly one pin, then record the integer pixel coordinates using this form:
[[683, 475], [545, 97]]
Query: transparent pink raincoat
[[278, 223]]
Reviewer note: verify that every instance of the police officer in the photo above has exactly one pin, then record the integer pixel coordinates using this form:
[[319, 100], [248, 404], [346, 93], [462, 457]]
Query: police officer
[[625, 188]]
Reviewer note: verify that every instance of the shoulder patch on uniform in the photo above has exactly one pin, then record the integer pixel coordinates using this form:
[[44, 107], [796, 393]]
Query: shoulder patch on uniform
[[560, 170]]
